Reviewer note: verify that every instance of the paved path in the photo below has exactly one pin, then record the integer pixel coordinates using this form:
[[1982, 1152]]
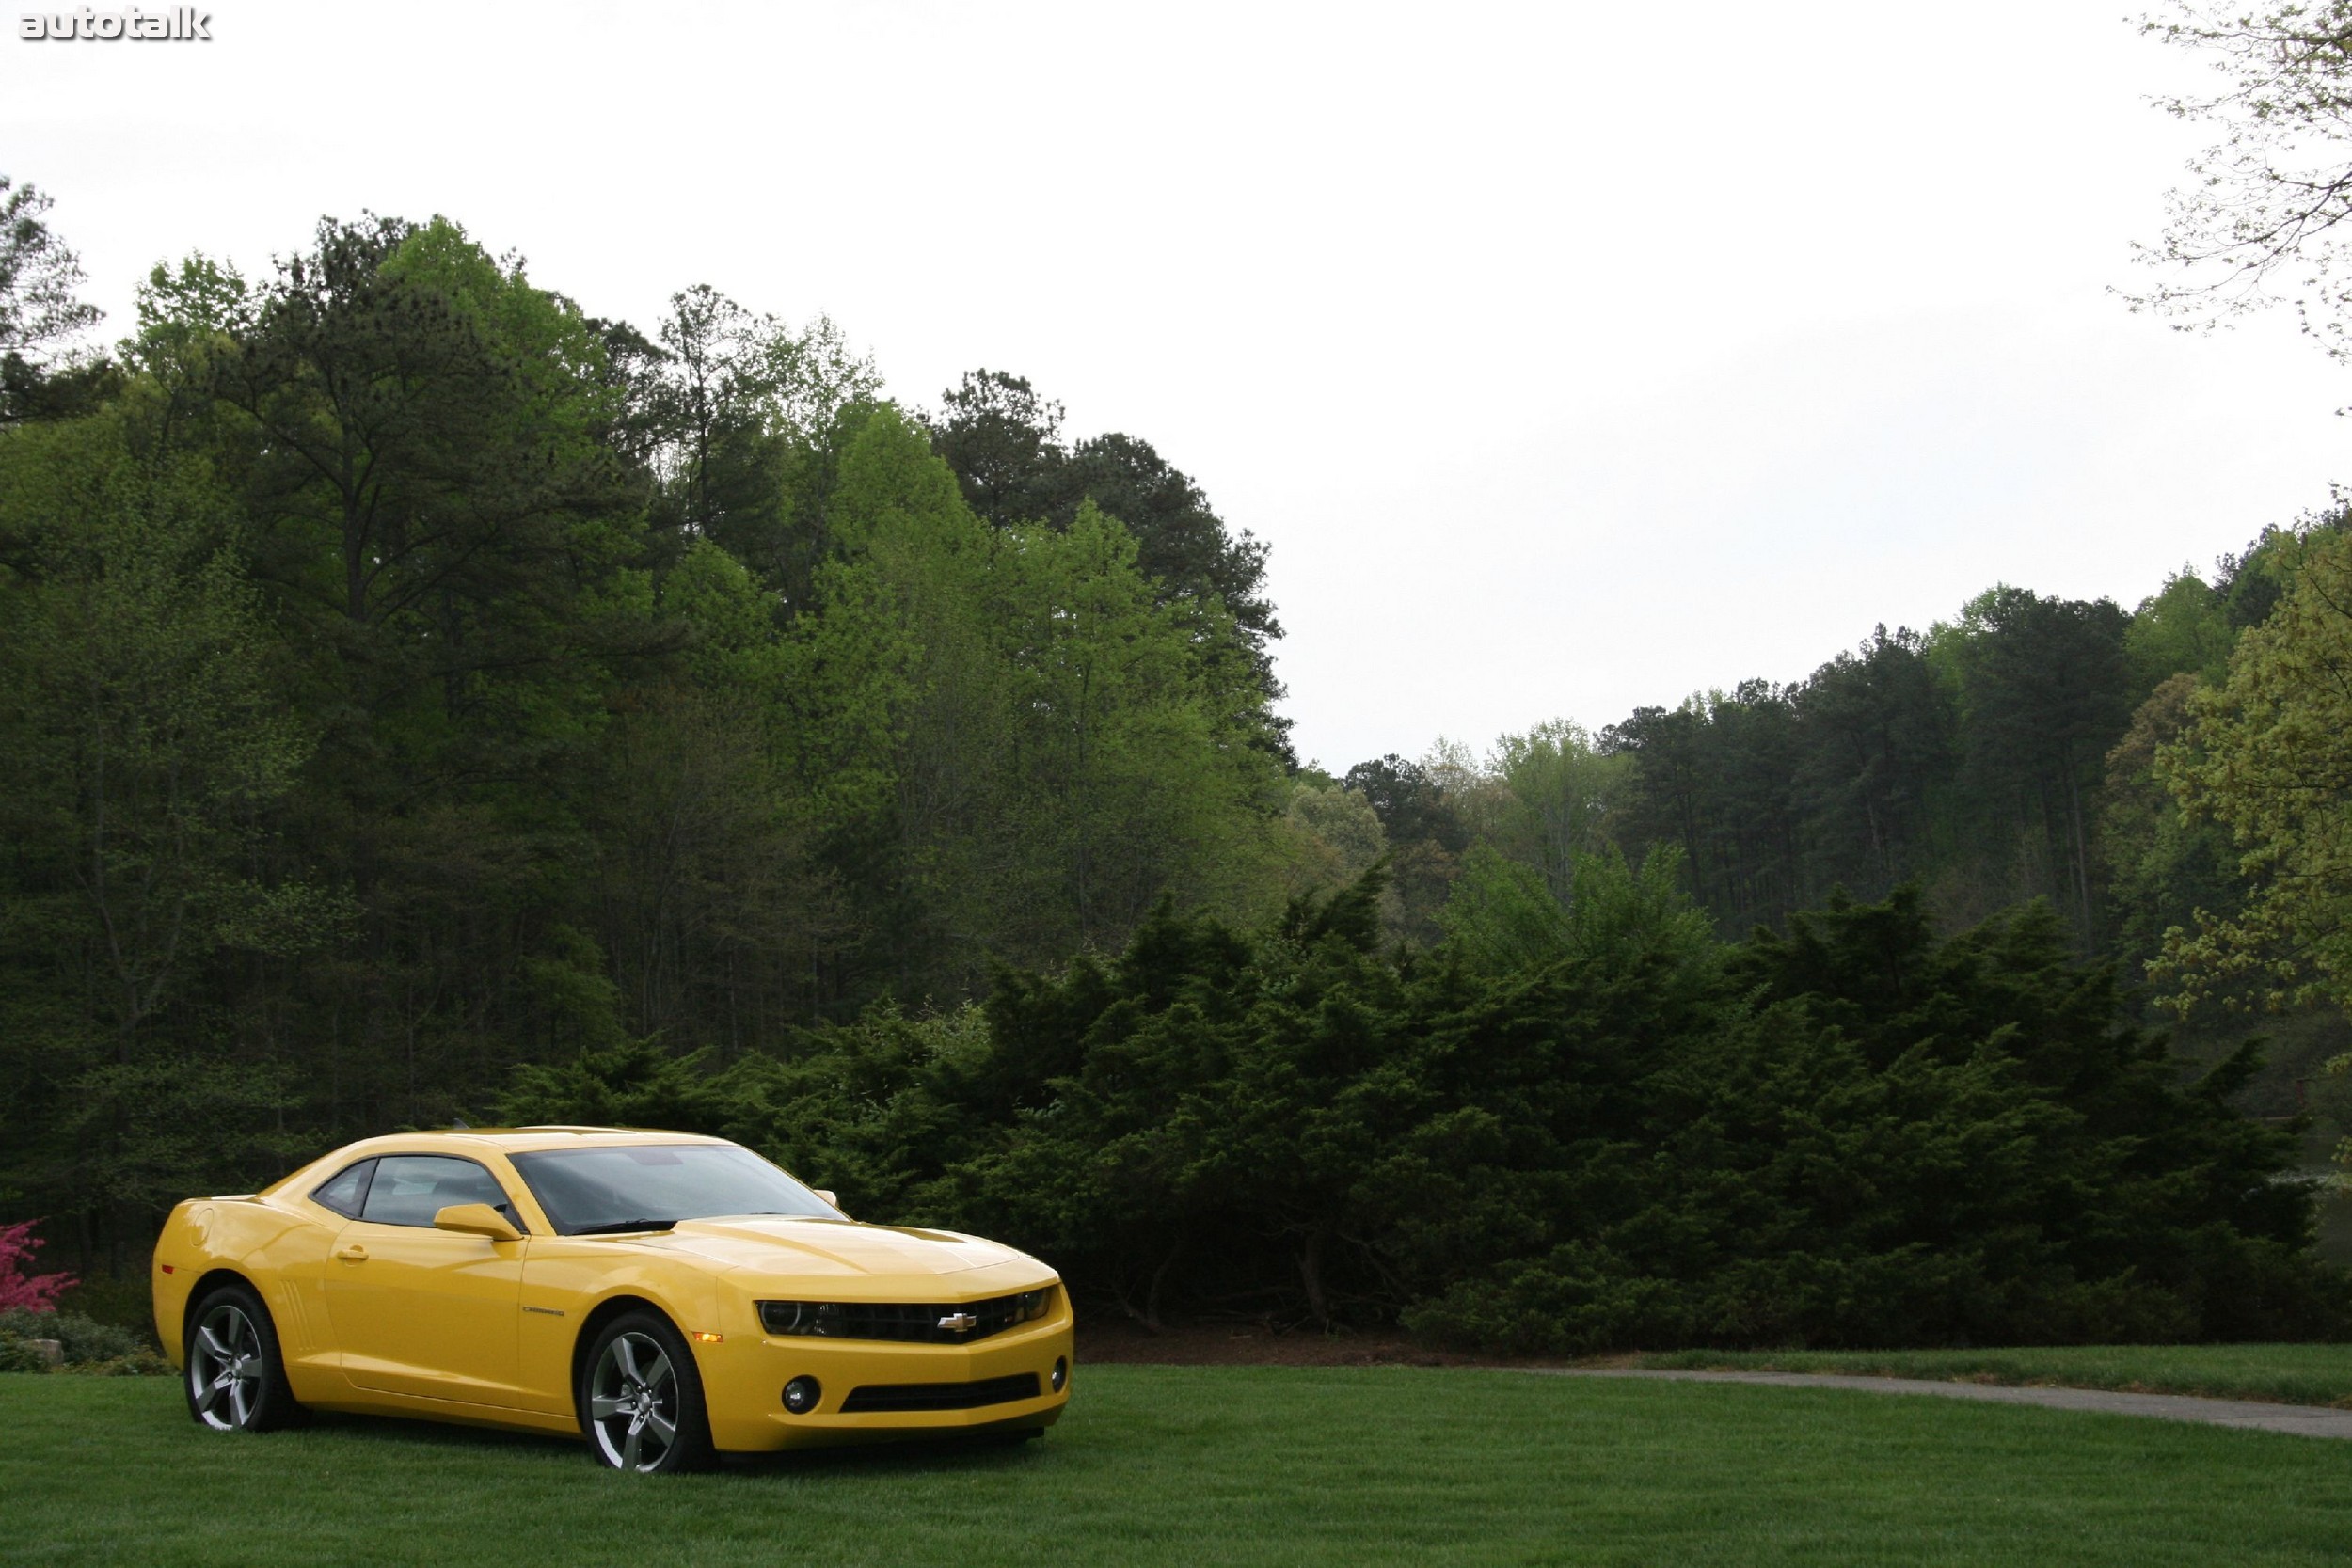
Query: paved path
[[2302, 1421]]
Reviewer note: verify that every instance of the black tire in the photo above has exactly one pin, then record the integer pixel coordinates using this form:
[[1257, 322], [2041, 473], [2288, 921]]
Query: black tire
[[640, 1413], [235, 1379]]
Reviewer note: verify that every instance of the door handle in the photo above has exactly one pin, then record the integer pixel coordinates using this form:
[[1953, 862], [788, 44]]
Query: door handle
[[354, 1252]]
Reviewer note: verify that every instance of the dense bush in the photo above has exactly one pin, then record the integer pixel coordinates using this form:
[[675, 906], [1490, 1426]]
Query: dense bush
[[88, 1346], [1599, 1130]]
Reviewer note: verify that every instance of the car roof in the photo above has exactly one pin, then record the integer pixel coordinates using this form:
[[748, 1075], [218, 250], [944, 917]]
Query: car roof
[[520, 1140], [477, 1140]]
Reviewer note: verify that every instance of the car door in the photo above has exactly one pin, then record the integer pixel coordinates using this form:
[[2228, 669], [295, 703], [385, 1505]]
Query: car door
[[418, 1310]]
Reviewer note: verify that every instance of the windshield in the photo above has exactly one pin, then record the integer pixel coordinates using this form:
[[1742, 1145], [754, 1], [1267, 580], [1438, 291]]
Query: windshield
[[653, 1186]]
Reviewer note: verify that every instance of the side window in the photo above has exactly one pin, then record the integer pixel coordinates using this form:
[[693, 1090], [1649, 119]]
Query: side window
[[348, 1190], [411, 1189]]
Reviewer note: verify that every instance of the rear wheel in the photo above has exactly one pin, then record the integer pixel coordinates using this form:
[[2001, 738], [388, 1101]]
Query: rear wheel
[[236, 1379], [641, 1398]]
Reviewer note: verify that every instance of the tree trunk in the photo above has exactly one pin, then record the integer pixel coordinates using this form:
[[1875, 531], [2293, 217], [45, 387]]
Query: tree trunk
[[2082, 859], [1152, 1294], [1310, 1277]]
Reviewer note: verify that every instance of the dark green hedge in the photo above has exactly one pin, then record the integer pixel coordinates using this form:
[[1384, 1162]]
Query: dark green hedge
[[1617, 1133]]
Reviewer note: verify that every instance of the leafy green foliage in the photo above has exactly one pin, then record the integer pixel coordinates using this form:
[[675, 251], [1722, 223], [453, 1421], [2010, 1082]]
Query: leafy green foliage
[[2256, 225], [412, 678], [1891, 1139], [1969, 759], [88, 1346], [40, 314], [2185, 628], [2164, 866], [428, 699], [1425, 836], [1597, 1129], [1004, 442], [2264, 755]]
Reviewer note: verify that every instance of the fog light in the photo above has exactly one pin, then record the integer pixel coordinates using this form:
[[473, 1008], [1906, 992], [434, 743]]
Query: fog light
[[1061, 1373], [802, 1394]]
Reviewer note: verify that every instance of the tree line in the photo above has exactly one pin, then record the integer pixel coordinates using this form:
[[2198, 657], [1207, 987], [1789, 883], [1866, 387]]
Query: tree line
[[410, 674], [424, 698], [2030, 748]]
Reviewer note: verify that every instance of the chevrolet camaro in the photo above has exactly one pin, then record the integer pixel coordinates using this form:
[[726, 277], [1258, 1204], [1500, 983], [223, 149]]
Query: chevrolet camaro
[[667, 1298]]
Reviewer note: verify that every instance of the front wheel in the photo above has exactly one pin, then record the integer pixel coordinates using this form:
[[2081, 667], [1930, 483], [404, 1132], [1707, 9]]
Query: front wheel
[[641, 1398], [236, 1379]]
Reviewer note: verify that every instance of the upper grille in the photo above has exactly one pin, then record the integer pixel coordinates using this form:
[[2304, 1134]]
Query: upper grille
[[911, 1323], [941, 1395]]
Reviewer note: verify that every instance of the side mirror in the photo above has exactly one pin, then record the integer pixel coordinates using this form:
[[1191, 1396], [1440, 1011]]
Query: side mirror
[[827, 1194], [477, 1219]]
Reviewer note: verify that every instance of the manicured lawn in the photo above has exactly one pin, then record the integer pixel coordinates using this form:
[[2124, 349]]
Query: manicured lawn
[[2295, 1375], [1240, 1466]]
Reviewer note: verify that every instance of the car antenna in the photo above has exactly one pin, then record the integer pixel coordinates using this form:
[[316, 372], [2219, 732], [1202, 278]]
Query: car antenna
[[461, 1124]]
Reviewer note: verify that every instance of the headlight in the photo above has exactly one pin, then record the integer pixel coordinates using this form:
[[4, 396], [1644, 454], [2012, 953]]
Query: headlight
[[801, 1317]]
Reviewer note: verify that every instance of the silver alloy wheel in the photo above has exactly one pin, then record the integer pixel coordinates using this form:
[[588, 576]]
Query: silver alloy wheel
[[226, 1368], [633, 1402]]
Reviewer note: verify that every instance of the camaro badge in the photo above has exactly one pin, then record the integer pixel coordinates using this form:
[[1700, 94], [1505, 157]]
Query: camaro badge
[[958, 1322]]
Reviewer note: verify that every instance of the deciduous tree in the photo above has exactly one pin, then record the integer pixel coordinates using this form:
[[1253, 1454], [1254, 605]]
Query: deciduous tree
[[2259, 222], [2266, 756]]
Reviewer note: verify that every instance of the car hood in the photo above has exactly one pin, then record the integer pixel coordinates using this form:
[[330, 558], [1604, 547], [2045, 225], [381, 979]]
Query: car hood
[[845, 1250]]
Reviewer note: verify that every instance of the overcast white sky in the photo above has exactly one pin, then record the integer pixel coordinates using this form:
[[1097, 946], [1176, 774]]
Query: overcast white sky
[[1570, 356]]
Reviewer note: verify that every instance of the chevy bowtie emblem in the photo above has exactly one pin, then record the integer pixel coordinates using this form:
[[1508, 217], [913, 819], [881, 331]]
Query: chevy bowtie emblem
[[958, 1322]]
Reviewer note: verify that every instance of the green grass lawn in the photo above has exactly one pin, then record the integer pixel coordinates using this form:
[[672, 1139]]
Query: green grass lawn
[[1240, 1465], [2295, 1375]]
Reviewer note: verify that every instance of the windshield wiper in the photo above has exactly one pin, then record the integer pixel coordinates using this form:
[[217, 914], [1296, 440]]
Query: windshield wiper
[[616, 1225]]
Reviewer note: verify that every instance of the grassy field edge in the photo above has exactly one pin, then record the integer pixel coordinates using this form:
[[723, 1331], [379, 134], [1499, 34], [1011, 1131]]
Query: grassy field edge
[[1255, 1467], [2309, 1374]]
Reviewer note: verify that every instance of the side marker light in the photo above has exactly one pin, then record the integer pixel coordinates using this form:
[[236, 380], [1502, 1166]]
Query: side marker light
[[704, 1336]]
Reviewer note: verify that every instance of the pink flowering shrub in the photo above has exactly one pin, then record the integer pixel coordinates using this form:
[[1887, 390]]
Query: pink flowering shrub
[[19, 1291]]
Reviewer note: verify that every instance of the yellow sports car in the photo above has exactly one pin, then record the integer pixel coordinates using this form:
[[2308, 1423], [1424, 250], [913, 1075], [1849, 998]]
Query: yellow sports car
[[670, 1297]]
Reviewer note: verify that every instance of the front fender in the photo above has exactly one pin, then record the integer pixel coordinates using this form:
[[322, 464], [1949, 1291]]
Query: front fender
[[565, 1289]]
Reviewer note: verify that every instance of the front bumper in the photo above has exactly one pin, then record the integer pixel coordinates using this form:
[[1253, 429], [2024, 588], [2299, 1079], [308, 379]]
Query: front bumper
[[744, 1383]]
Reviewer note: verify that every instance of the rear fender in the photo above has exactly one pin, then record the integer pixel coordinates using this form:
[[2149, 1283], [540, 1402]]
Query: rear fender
[[277, 1250]]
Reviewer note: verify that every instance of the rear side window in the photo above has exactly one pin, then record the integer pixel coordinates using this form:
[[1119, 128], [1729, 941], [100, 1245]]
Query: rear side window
[[411, 1189], [348, 1190]]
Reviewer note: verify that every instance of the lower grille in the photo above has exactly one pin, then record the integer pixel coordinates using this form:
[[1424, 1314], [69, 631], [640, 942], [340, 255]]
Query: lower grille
[[941, 1395]]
